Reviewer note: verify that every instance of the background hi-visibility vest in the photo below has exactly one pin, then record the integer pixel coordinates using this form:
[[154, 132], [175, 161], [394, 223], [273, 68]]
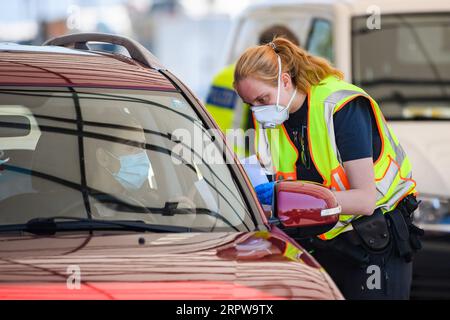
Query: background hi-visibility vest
[[225, 106], [393, 172], [222, 98]]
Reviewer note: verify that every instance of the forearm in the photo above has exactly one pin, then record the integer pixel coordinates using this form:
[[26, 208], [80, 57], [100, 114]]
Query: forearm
[[356, 201]]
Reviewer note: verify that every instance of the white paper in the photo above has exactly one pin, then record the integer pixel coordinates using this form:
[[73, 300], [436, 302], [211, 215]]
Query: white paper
[[254, 170]]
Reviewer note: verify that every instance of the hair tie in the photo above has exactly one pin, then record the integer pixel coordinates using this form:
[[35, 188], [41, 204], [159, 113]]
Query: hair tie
[[271, 44]]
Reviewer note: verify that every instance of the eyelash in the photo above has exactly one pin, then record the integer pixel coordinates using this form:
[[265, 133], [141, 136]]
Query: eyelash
[[261, 101]]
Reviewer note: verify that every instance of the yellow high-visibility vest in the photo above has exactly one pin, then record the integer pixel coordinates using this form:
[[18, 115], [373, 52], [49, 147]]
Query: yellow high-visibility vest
[[393, 172]]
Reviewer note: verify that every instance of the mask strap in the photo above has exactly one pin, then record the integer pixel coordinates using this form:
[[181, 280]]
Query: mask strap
[[279, 86], [115, 157], [265, 157], [279, 80], [112, 155], [292, 99]]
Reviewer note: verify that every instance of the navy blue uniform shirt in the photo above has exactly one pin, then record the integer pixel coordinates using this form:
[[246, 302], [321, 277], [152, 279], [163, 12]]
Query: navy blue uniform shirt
[[355, 130]]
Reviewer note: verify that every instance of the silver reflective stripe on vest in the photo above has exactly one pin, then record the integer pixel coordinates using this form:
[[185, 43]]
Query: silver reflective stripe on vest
[[346, 225], [399, 152], [384, 184], [338, 180], [264, 153], [401, 189], [330, 103], [394, 169], [400, 192]]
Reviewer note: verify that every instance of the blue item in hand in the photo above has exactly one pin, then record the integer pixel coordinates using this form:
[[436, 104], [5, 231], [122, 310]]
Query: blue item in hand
[[265, 192]]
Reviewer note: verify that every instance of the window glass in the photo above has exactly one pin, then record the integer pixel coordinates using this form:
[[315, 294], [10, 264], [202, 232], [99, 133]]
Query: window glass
[[405, 65], [113, 154]]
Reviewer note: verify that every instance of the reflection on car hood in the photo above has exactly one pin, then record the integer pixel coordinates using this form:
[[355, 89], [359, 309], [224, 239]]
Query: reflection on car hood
[[160, 266]]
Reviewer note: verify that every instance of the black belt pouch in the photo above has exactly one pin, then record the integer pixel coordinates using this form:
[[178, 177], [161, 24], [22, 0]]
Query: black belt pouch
[[373, 230]]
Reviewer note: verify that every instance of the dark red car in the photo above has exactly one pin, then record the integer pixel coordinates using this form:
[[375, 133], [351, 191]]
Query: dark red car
[[102, 196]]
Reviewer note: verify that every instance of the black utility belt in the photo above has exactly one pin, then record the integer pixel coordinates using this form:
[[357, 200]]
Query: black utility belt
[[376, 232], [370, 235]]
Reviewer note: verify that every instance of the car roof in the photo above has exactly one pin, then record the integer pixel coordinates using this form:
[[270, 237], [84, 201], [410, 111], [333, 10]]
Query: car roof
[[22, 65]]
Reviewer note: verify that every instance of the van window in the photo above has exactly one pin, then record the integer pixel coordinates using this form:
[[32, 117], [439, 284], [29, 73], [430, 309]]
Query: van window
[[249, 30], [320, 39], [405, 65]]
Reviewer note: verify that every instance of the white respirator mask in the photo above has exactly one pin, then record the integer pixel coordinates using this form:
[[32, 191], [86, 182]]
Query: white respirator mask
[[269, 116]]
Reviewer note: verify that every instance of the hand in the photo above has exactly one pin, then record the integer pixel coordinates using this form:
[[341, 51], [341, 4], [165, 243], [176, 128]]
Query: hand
[[265, 192]]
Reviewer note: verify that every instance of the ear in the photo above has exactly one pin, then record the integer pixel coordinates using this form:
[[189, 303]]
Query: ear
[[286, 80], [102, 157]]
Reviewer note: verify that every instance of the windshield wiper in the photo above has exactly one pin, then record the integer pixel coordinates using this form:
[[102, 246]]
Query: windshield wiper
[[52, 225]]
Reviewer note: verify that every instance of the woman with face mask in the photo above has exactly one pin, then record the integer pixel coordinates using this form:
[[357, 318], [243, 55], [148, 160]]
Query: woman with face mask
[[311, 125], [122, 177], [121, 168]]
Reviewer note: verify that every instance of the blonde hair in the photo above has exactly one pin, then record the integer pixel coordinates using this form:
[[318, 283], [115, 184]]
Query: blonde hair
[[260, 62]]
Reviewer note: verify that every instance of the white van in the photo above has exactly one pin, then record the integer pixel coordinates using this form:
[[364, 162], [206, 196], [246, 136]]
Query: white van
[[399, 52]]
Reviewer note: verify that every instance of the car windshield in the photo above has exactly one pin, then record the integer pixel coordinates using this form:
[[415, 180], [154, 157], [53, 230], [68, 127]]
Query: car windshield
[[111, 155], [405, 65]]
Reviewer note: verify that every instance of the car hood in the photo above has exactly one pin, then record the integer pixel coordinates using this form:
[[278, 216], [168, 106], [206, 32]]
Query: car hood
[[160, 266], [427, 143]]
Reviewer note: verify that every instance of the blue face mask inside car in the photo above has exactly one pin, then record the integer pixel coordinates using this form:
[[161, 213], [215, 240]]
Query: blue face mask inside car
[[134, 169]]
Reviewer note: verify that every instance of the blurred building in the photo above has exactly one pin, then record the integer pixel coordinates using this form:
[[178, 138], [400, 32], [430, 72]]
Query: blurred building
[[188, 36]]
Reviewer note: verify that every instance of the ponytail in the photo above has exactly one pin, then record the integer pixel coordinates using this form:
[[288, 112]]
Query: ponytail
[[306, 70]]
